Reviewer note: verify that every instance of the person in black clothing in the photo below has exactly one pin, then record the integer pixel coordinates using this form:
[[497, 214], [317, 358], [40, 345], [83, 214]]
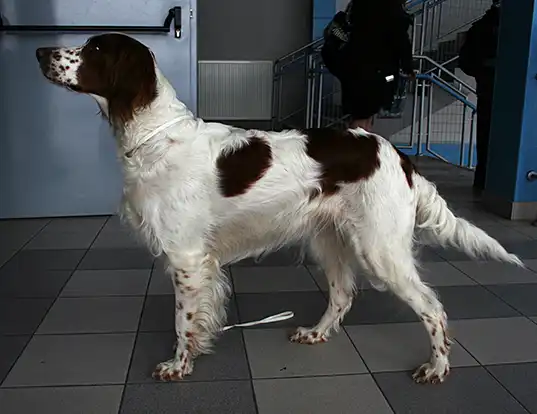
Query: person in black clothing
[[378, 46], [477, 59]]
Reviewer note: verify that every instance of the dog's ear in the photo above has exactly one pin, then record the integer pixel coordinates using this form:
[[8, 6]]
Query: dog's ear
[[132, 83]]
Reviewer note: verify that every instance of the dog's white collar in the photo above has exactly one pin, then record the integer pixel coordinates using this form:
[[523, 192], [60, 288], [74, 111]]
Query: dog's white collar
[[135, 147]]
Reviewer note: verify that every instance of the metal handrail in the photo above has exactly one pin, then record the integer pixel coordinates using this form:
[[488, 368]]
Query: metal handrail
[[450, 90], [443, 64], [310, 45], [174, 15], [446, 71]]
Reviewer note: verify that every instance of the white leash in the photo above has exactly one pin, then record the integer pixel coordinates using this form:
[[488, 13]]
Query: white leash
[[156, 131], [269, 319]]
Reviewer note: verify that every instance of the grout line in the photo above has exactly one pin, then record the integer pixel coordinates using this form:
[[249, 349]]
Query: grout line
[[505, 388], [251, 379], [368, 369], [52, 302], [137, 334], [17, 251], [493, 293]]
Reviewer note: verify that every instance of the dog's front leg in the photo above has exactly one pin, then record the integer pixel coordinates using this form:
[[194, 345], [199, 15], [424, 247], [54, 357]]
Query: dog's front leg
[[201, 291]]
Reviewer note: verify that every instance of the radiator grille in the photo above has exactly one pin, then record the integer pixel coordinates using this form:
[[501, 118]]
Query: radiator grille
[[235, 90]]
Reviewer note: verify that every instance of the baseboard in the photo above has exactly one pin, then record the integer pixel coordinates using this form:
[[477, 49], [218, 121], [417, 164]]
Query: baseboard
[[510, 210]]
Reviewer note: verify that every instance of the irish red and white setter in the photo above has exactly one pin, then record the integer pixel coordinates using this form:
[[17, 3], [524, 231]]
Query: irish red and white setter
[[205, 194]]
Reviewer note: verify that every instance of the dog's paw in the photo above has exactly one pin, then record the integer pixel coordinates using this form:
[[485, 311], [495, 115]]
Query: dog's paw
[[307, 336], [430, 373], [173, 370]]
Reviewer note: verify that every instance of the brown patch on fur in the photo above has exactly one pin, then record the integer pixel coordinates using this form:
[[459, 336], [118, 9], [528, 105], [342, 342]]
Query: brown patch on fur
[[241, 168], [189, 316], [433, 333], [188, 334], [443, 351], [408, 167], [120, 69], [344, 156]]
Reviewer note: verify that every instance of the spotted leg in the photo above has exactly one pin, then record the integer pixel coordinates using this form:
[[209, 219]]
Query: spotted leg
[[332, 253], [395, 267], [201, 291]]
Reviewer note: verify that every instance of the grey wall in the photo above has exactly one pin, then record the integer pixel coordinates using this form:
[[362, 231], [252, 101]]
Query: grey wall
[[252, 29]]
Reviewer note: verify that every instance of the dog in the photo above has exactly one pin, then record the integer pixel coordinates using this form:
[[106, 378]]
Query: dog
[[203, 195]]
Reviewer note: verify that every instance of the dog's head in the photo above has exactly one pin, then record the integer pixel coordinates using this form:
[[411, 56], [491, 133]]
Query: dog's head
[[117, 69]]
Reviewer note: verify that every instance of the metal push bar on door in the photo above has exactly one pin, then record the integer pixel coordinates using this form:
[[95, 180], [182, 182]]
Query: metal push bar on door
[[174, 15]]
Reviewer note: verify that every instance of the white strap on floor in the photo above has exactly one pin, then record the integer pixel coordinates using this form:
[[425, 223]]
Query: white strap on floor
[[269, 319]]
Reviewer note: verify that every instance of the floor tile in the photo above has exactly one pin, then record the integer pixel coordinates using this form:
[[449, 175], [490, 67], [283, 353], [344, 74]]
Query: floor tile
[[428, 254], [6, 255], [399, 347], [345, 394], [228, 362], [161, 283], [371, 306], [272, 355], [443, 274], [20, 283], [490, 273], [112, 259], [61, 400], [498, 341], [14, 234], [45, 260], [531, 264], [76, 224], [159, 313], [92, 315], [194, 397], [308, 307], [107, 283], [472, 302], [520, 380], [503, 233], [524, 250], [263, 279], [522, 297], [64, 240], [73, 360], [10, 349], [527, 229], [116, 239], [466, 391], [29, 314]]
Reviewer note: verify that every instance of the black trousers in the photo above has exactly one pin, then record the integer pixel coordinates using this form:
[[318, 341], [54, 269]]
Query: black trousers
[[485, 89]]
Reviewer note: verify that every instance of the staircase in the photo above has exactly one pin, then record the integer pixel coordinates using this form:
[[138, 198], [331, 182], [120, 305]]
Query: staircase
[[438, 116]]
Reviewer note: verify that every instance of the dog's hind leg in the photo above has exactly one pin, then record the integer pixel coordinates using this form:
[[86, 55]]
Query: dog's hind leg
[[332, 252], [201, 291], [394, 265]]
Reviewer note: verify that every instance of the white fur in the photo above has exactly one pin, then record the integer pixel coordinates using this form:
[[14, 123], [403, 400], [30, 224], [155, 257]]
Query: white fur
[[172, 197]]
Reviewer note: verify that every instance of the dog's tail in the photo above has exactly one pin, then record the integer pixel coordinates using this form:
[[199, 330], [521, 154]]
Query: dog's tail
[[437, 222]]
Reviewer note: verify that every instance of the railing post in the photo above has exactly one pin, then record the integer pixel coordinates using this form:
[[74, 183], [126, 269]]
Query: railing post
[[463, 133]]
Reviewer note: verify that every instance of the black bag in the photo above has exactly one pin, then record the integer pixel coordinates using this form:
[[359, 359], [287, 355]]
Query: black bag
[[336, 37]]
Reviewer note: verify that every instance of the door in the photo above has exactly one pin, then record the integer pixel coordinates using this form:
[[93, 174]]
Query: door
[[57, 155]]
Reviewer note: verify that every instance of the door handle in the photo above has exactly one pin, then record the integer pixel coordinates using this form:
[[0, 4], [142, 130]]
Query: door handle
[[174, 15]]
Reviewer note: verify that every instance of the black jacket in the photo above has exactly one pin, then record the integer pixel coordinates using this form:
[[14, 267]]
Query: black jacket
[[379, 38], [478, 52]]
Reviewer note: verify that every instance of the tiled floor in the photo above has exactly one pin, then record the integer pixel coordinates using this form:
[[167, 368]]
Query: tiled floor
[[85, 314]]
